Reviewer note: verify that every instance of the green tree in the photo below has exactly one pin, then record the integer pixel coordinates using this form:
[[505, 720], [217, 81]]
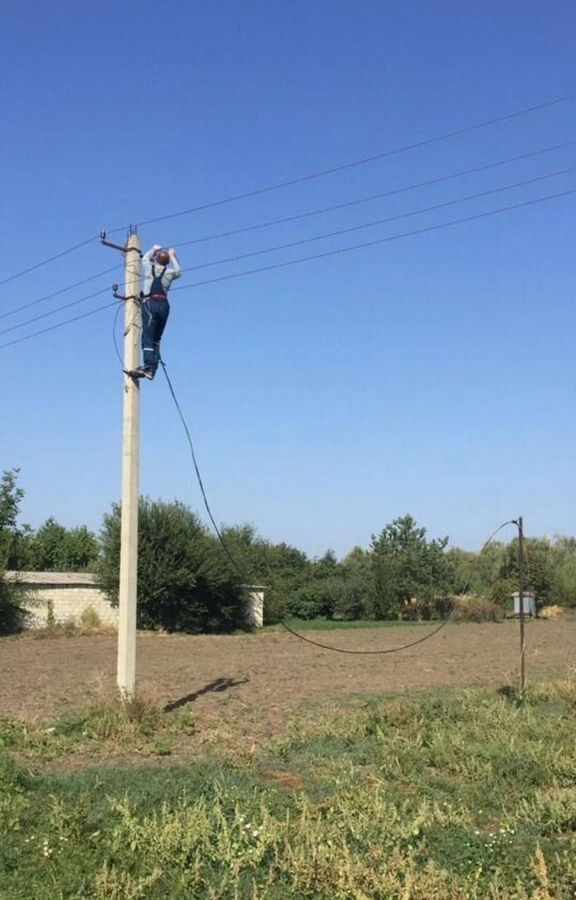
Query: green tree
[[405, 566], [185, 582], [12, 612], [13, 537], [56, 548], [539, 574], [476, 573], [564, 563], [282, 569]]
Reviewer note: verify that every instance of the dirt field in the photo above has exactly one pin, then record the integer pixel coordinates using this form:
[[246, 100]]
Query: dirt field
[[246, 688]]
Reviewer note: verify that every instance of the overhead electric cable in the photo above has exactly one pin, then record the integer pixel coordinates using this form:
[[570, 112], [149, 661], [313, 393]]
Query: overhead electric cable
[[292, 262], [290, 244], [355, 163], [385, 240], [370, 197], [91, 312], [377, 222], [308, 240], [320, 174], [50, 259], [64, 290], [53, 312], [58, 309]]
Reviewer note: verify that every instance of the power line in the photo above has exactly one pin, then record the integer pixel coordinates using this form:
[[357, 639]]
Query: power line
[[394, 237], [58, 309], [355, 163], [327, 253], [314, 238], [379, 196], [376, 222], [70, 287], [306, 240], [52, 312], [85, 315], [50, 259], [321, 174]]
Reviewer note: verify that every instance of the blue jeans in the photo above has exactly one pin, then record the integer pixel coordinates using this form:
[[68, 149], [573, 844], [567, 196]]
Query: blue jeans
[[154, 317]]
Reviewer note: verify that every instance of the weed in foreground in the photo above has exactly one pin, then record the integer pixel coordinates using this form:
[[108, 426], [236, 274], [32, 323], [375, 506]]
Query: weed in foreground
[[463, 794], [106, 725]]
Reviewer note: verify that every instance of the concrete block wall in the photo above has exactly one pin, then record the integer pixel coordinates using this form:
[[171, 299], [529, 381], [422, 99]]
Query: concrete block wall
[[70, 593], [67, 593]]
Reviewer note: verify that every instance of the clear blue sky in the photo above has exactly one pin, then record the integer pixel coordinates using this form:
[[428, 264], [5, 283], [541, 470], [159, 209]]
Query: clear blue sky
[[433, 375]]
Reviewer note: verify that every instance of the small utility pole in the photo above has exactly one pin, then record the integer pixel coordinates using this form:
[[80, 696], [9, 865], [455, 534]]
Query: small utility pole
[[126, 672], [520, 524]]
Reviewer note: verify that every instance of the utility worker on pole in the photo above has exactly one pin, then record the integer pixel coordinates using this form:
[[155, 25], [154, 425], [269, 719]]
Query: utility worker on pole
[[161, 268]]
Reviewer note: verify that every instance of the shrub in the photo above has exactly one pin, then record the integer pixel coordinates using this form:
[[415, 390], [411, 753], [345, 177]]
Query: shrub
[[313, 601], [90, 618], [552, 612], [185, 580], [476, 609], [13, 614], [351, 600], [502, 591]]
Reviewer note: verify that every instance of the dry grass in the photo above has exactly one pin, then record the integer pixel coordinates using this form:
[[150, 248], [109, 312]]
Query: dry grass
[[476, 609], [552, 612]]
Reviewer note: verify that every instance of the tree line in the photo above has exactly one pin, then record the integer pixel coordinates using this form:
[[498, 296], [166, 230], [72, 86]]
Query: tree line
[[189, 580]]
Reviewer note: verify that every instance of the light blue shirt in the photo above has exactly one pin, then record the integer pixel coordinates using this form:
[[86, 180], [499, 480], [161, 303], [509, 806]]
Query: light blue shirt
[[171, 273]]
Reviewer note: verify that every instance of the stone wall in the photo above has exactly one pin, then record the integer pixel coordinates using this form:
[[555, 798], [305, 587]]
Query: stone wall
[[68, 594]]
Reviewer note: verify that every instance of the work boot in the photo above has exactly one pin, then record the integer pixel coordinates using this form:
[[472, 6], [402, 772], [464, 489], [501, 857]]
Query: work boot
[[140, 372]]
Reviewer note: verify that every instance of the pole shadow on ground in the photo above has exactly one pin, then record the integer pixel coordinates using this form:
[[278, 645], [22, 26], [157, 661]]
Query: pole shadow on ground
[[217, 686]]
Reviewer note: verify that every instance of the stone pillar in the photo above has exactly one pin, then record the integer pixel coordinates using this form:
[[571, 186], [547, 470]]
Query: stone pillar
[[255, 606]]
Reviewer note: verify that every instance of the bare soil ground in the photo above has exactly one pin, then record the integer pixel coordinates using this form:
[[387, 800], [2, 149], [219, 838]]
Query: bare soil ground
[[244, 689]]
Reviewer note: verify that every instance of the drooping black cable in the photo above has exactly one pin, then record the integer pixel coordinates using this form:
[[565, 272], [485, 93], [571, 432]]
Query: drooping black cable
[[354, 164], [115, 340], [239, 568], [390, 193], [199, 476]]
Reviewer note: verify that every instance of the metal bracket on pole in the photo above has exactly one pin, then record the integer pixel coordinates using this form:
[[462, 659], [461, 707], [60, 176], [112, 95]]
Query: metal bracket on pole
[[109, 244], [118, 296], [117, 246]]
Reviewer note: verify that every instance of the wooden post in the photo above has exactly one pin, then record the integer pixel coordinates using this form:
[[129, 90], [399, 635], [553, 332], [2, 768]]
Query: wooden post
[[126, 671]]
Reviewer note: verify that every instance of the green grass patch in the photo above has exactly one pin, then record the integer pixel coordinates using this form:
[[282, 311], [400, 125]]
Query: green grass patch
[[106, 726], [334, 624], [428, 796]]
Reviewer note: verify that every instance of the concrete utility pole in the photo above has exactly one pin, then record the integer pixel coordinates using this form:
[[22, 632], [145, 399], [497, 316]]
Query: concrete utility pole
[[520, 524], [126, 672]]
